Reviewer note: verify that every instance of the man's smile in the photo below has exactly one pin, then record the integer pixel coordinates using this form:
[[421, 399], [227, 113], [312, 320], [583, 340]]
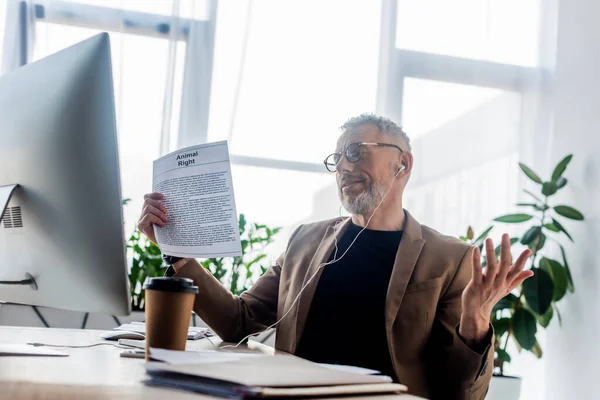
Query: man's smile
[[350, 183]]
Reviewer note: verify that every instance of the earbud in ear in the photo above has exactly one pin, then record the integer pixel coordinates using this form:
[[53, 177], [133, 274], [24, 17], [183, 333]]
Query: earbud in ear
[[402, 167]]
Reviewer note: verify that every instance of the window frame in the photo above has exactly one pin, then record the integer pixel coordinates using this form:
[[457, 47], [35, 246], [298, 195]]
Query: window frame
[[395, 65], [172, 28]]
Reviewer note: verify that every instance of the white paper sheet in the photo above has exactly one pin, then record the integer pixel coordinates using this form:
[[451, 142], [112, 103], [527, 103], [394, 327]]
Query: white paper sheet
[[27, 350], [198, 189], [175, 357]]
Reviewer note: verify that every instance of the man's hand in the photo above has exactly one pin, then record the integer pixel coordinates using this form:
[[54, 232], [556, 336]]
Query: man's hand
[[153, 212], [486, 289]]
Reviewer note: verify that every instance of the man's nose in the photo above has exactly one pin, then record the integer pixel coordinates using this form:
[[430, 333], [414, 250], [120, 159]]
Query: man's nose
[[344, 166]]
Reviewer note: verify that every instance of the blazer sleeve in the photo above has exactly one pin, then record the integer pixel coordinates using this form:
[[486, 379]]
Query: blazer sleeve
[[456, 370], [234, 317]]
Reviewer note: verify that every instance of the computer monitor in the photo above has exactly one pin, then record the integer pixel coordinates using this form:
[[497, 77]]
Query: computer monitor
[[63, 224]]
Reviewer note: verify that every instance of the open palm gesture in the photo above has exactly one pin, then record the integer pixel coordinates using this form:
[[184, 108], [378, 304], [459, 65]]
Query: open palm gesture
[[487, 287]]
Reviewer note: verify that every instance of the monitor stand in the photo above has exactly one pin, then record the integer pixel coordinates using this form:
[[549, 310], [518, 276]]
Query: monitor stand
[[5, 195]]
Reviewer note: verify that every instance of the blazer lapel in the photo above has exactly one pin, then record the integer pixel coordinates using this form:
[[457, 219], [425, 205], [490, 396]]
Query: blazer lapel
[[408, 253], [321, 256]]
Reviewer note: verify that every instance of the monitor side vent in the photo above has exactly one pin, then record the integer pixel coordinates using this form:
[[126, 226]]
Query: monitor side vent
[[6, 219], [12, 217], [17, 218]]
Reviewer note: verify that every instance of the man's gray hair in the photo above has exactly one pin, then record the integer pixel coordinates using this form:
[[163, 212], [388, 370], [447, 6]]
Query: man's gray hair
[[385, 125]]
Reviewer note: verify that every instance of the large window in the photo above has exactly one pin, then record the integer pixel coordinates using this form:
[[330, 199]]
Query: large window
[[504, 31], [287, 75], [458, 75], [149, 43], [465, 146]]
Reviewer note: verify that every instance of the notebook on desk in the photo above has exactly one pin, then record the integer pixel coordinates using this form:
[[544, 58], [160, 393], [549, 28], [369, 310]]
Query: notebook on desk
[[266, 376]]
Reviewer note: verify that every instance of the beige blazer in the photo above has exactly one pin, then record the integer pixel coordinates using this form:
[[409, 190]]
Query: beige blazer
[[423, 306]]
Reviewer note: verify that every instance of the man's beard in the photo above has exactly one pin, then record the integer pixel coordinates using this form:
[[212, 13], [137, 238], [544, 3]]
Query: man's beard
[[364, 202]]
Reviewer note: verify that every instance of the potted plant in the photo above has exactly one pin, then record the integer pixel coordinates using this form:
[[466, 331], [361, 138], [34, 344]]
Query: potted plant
[[236, 273], [146, 262], [532, 306]]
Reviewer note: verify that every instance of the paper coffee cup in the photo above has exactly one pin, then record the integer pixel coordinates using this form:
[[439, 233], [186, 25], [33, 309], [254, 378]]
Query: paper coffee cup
[[169, 303]]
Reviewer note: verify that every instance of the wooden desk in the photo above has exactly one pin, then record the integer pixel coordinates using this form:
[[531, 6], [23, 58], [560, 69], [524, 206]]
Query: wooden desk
[[89, 373]]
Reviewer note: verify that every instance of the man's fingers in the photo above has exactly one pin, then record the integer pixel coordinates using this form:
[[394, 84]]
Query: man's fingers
[[477, 270], [149, 219], [154, 195], [518, 265], [505, 256], [150, 209], [492, 266], [520, 278], [156, 204]]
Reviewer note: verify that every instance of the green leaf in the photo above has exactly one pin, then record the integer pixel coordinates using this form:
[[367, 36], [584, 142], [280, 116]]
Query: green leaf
[[532, 195], [242, 223], [502, 355], [538, 243], [513, 218], [538, 291], [557, 314], [558, 273], [507, 301], [549, 188], [560, 167], [537, 350], [524, 328], [561, 228], [255, 260], [501, 326], [552, 227], [530, 174], [571, 285], [569, 212], [483, 235], [470, 233], [561, 182], [545, 318], [531, 234]]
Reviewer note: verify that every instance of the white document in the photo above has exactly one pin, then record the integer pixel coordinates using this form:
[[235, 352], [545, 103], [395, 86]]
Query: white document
[[176, 357], [198, 189], [351, 368], [27, 350]]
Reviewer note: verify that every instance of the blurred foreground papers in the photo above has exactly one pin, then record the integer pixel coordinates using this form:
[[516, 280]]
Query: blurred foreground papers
[[258, 376]]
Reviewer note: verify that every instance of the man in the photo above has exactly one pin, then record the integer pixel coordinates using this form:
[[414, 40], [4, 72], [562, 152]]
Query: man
[[376, 290]]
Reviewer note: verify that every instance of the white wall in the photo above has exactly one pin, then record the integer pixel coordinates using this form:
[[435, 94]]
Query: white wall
[[572, 353]]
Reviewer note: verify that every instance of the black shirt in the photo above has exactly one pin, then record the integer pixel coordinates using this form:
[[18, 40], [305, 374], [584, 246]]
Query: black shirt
[[346, 321]]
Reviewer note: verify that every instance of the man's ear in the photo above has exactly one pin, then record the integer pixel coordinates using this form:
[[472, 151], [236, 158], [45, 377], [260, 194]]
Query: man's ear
[[407, 162]]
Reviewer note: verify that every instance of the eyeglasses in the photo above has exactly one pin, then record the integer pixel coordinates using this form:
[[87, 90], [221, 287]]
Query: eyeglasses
[[353, 154]]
